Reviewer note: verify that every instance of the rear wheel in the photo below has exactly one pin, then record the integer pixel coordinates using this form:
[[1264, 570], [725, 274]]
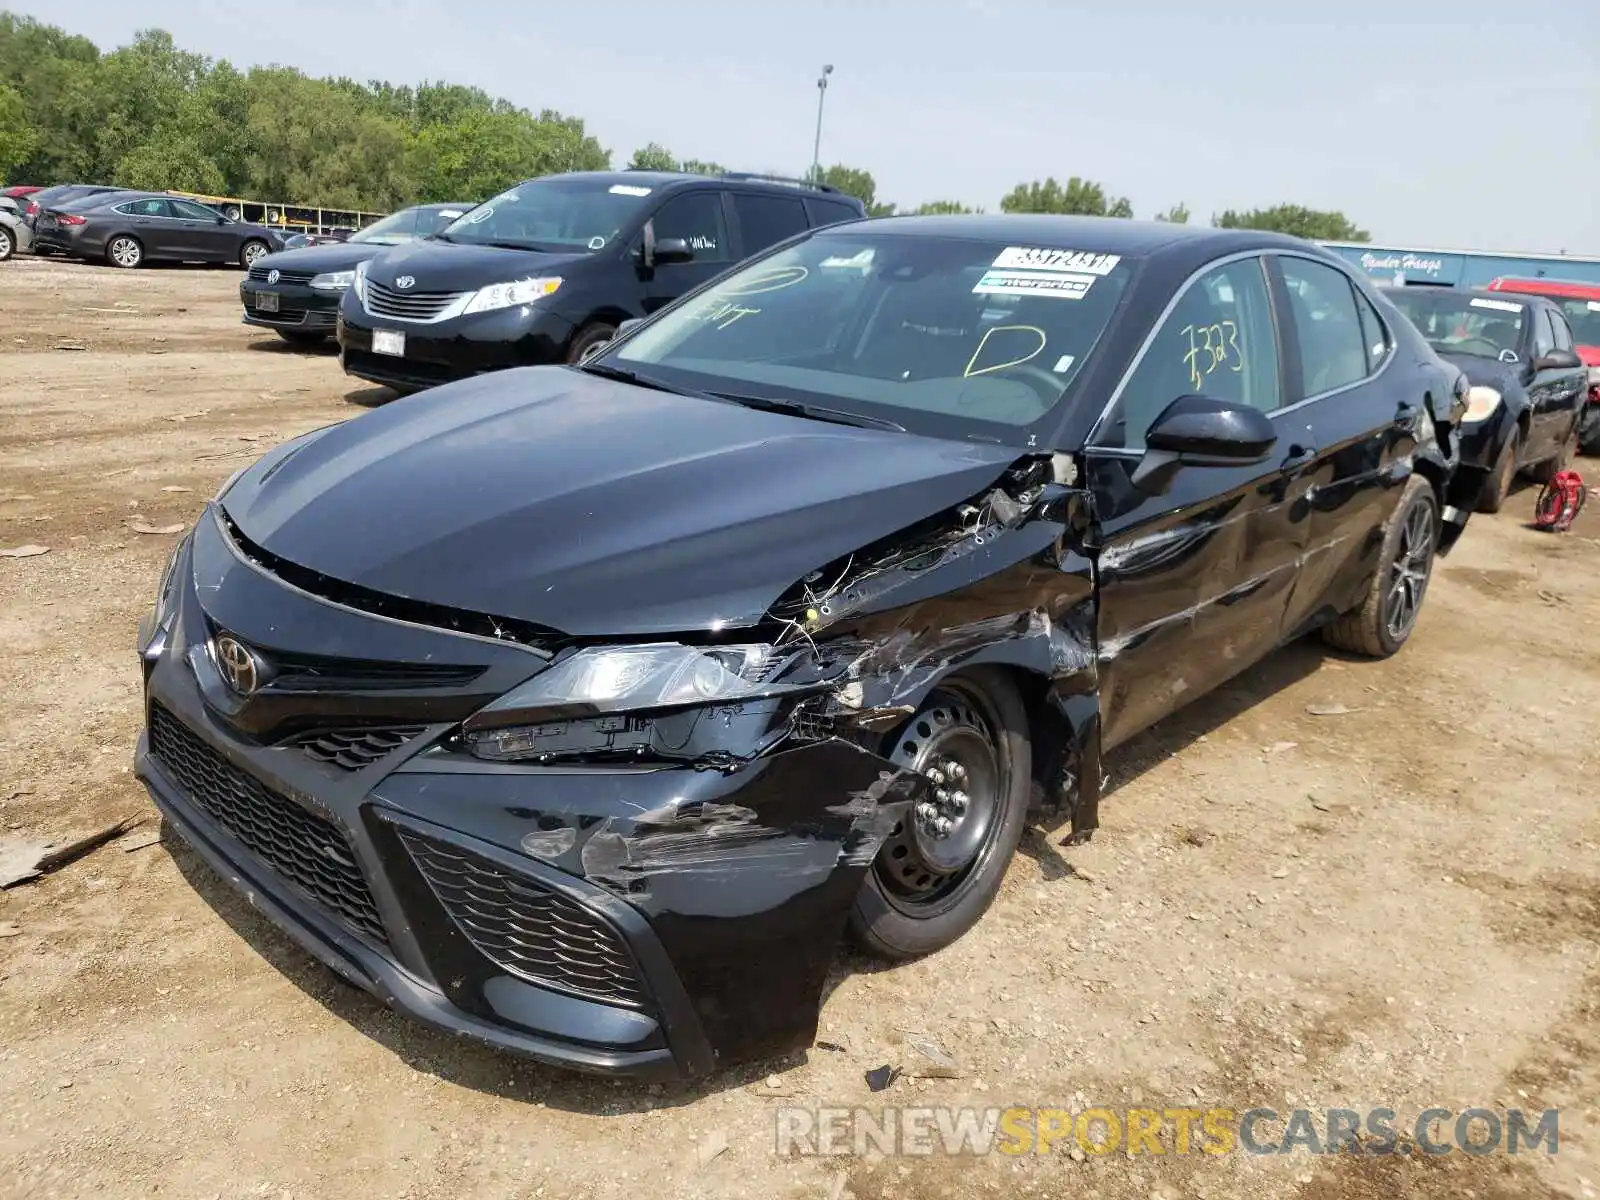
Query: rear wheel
[[1389, 613], [7, 246], [1498, 486], [589, 341], [1589, 429], [940, 867], [252, 250], [124, 251]]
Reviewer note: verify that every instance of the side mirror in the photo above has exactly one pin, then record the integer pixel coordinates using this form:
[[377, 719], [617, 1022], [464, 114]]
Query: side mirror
[[222, 220], [1558, 360], [673, 250], [1199, 431]]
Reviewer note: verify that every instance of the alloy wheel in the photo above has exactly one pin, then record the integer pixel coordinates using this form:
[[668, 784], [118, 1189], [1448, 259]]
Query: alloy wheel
[[125, 252], [932, 851], [253, 251], [5, 244], [1409, 572]]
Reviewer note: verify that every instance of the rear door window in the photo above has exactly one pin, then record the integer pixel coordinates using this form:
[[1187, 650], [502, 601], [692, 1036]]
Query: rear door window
[[1558, 324], [830, 212], [767, 220], [1328, 326], [152, 207]]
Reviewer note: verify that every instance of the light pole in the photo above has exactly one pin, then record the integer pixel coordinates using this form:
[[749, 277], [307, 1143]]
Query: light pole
[[816, 148]]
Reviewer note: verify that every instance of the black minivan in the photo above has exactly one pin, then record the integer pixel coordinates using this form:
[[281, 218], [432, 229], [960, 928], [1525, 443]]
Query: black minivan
[[546, 271]]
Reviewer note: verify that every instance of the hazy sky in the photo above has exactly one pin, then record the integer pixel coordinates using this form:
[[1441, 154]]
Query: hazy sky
[[1466, 123]]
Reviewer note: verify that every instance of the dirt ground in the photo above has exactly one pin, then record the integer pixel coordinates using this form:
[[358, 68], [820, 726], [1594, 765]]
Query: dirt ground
[[1392, 906]]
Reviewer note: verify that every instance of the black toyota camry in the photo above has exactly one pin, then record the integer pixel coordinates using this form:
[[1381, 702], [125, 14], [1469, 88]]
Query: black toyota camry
[[582, 709]]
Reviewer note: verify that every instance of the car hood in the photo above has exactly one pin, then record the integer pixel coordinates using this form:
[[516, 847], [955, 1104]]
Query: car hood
[[453, 267], [1486, 372], [592, 507], [1590, 355], [334, 256]]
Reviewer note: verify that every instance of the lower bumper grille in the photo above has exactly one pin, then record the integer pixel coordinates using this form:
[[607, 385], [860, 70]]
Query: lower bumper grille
[[524, 928], [303, 849]]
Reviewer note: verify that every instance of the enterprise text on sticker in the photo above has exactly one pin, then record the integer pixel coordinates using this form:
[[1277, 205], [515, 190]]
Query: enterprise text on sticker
[[1056, 284]]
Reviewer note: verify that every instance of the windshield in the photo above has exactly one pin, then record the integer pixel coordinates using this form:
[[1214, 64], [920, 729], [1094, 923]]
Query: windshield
[[391, 230], [565, 214], [1457, 323], [945, 336]]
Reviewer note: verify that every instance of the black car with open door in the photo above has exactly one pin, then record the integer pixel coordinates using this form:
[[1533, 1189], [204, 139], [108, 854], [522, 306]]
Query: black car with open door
[[547, 270], [580, 710], [1528, 385]]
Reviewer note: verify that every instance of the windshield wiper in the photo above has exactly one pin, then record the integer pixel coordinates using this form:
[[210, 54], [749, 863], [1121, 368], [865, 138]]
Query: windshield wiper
[[815, 412], [625, 376]]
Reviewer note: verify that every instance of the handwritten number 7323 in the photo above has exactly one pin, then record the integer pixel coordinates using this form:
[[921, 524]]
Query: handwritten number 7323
[[1212, 347]]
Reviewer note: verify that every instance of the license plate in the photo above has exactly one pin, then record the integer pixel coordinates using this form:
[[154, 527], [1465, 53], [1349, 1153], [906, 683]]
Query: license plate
[[267, 301], [389, 341]]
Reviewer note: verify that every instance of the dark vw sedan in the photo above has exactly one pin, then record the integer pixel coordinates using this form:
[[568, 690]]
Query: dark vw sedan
[[581, 709], [129, 229], [1528, 385], [296, 292]]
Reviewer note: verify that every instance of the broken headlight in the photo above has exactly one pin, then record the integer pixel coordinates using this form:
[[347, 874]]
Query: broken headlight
[[153, 629], [614, 695]]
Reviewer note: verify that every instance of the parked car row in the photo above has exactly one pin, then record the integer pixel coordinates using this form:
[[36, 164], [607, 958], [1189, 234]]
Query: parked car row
[[579, 707], [128, 228]]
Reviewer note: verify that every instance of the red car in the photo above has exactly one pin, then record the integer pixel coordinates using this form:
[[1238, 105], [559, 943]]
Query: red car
[[1580, 302]]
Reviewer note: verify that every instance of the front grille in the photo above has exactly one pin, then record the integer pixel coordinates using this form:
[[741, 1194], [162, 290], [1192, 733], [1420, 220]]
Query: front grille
[[407, 306], [260, 273], [526, 929], [305, 850], [354, 749]]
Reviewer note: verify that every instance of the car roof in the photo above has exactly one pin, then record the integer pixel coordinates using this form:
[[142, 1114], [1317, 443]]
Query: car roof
[[737, 180], [113, 196], [1571, 289], [1099, 235], [1526, 299]]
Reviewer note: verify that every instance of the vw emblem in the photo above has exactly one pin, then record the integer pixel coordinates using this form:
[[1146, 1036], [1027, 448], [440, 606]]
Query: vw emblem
[[404, 281], [272, 275], [237, 664]]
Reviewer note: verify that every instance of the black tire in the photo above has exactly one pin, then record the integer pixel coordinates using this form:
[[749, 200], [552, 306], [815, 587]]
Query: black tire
[[589, 339], [297, 337], [252, 250], [1410, 540], [8, 245], [125, 251], [1551, 467], [232, 212], [1498, 486], [908, 907]]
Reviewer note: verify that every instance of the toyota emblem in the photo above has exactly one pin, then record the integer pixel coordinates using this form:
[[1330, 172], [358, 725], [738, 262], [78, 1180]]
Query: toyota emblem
[[404, 281], [272, 275], [237, 664]]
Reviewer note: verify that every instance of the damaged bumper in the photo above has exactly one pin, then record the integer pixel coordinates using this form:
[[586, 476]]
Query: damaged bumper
[[646, 920]]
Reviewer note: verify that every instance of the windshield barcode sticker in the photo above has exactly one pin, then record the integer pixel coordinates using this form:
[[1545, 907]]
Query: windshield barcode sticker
[[1057, 284], [1497, 305], [628, 189], [1040, 258]]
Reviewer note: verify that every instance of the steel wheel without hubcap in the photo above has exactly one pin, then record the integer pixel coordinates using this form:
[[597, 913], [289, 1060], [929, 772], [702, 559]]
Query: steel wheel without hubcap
[[125, 252], [1408, 574], [930, 854]]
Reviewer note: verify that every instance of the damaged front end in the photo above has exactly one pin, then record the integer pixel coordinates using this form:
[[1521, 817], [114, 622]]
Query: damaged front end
[[632, 858]]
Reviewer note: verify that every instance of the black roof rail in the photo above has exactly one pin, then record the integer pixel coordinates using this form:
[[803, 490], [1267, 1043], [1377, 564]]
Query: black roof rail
[[757, 177]]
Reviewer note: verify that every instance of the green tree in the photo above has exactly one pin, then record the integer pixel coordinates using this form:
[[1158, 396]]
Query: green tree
[[654, 157], [853, 181], [18, 139], [1178, 214], [695, 166], [934, 208], [1080, 197], [1296, 220]]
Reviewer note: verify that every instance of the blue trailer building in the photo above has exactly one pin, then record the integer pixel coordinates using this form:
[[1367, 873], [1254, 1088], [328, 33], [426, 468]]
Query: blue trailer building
[[1461, 268]]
